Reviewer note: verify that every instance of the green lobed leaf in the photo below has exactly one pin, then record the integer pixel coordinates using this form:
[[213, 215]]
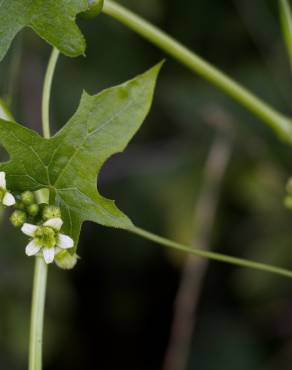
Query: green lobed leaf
[[69, 163], [52, 20]]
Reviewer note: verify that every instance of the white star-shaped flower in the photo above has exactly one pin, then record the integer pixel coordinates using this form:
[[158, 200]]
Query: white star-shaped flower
[[6, 198], [46, 238]]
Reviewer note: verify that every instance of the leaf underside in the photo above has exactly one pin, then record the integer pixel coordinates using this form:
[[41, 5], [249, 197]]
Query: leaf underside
[[52, 20], [69, 162]]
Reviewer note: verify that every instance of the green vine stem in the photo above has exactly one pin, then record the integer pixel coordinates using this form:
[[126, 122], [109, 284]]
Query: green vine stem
[[286, 21], [47, 92], [41, 268], [211, 255], [37, 314], [281, 124]]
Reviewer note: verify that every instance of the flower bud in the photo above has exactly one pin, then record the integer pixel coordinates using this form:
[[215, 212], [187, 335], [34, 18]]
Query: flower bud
[[66, 260], [18, 218], [33, 209], [51, 212], [27, 198]]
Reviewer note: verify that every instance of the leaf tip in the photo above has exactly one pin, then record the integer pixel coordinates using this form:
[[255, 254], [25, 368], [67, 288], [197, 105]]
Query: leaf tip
[[156, 69]]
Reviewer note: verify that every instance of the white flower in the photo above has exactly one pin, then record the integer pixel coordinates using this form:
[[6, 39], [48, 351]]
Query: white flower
[[6, 198], [46, 238]]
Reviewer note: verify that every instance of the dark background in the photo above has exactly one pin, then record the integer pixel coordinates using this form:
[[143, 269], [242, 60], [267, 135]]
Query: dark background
[[114, 311]]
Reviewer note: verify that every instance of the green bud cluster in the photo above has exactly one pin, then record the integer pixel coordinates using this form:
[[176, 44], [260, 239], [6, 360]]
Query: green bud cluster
[[28, 210]]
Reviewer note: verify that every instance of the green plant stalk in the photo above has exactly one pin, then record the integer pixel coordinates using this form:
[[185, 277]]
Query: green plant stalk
[[286, 22], [211, 255], [281, 124], [47, 92], [37, 314], [41, 268]]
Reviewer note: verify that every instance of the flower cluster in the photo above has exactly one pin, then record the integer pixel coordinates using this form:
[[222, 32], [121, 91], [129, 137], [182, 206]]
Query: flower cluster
[[46, 238], [42, 223]]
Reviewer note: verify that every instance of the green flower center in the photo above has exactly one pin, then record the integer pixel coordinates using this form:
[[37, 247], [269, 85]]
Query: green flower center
[[45, 236], [2, 194]]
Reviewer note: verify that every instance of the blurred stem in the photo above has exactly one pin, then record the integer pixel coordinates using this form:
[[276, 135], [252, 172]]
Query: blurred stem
[[41, 268], [37, 314], [47, 92], [188, 293], [286, 21], [281, 124], [14, 70], [211, 255]]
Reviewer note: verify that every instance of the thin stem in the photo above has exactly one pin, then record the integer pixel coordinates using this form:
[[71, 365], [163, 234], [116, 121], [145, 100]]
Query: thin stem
[[286, 21], [41, 269], [47, 92], [190, 287], [281, 124], [211, 255], [37, 314], [14, 70]]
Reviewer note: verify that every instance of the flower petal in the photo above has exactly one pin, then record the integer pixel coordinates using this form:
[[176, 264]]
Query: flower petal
[[32, 249], [29, 229], [8, 199], [65, 242], [55, 223], [2, 180], [49, 254]]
